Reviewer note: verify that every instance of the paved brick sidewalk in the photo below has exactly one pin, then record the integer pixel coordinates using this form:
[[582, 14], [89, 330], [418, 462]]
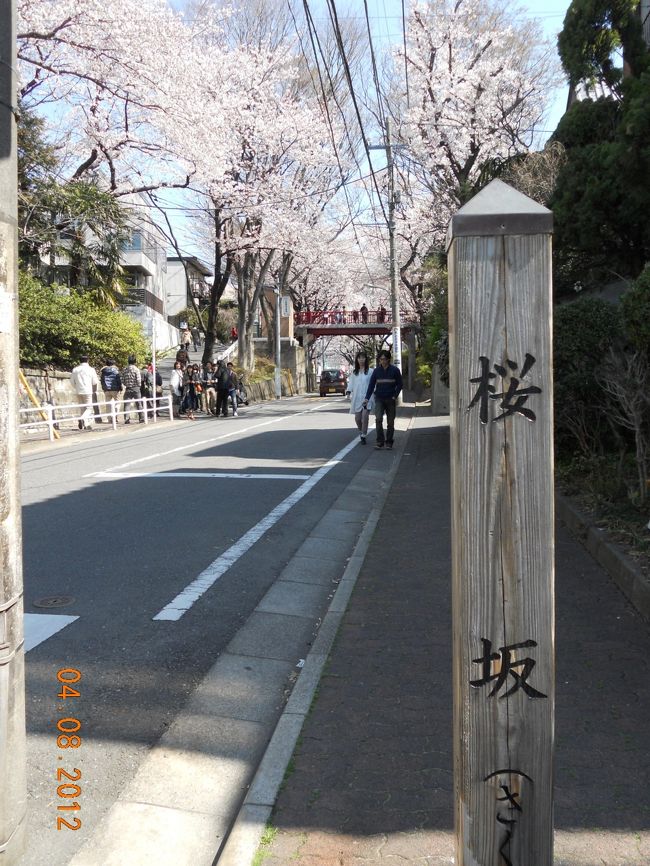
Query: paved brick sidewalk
[[372, 782]]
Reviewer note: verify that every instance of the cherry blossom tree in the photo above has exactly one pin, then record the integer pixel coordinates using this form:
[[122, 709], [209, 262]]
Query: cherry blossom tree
[[480, 77]]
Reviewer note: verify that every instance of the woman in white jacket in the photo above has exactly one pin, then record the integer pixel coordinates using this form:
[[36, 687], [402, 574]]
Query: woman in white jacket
[[176, 387], [357, 386]]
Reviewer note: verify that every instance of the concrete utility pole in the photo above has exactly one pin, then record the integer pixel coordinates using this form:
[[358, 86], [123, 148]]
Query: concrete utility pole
[[502, 528], [278, 346], [394, 276], [12, 658]]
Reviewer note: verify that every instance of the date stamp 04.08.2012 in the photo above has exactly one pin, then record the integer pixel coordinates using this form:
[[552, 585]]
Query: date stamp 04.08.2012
[[68, 737]]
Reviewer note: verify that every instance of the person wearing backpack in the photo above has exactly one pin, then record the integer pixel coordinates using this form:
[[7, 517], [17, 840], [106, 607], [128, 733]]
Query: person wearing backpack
[[109, 377]]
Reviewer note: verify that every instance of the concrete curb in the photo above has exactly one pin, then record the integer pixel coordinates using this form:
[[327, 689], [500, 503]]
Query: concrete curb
[[244, 838], [630, 579]]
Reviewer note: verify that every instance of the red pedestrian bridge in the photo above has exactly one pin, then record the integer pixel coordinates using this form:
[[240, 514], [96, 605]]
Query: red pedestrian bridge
[[332, 323]]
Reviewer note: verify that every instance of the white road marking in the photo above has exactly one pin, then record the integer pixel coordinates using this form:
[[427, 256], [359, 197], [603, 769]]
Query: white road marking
[[40, 626], [235, 431], [256, 477], [193, 591]]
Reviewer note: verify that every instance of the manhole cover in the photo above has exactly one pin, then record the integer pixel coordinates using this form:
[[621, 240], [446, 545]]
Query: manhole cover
[[53, 601]]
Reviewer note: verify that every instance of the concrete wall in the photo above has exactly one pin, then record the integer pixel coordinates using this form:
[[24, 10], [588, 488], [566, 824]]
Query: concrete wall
[[439, 394]]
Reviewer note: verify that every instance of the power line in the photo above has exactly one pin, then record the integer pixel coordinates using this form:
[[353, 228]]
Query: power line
[[373, 63], [312, 26], [327, 114], [406, 65], [346, 66], [314, 36]]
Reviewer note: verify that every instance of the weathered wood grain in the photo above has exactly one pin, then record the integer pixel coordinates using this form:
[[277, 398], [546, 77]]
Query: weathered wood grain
[[503, 555]]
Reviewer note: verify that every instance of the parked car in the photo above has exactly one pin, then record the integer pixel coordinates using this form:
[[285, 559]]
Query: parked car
[[332, 382]]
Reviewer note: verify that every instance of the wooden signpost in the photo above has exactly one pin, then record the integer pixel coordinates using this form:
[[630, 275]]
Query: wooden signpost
[[502, 528]]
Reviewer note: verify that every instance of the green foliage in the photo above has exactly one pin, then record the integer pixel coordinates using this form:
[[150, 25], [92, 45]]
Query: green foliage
[[594, 33], [635, 306], [602, 196], [583, 332], [58, 325], [435, 323], [603, 191]]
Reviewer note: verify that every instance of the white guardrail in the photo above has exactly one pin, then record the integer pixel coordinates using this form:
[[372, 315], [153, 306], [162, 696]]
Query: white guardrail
[[226, 354], [71, 414]]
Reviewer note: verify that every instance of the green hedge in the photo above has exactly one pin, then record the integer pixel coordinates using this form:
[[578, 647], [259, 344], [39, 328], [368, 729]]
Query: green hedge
[[58, 325]]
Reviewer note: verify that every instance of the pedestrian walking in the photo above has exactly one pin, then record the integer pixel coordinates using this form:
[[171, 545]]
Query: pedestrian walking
[[385, 384], [176, 388], [364, 314], [85, 382], [222, 378], [186, 339], [132, 381], [357, 387], [196, 338], [233, 386], [109, 377]]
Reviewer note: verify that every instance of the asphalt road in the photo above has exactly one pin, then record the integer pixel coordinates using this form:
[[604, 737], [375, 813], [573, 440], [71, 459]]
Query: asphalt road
[[122, 525]]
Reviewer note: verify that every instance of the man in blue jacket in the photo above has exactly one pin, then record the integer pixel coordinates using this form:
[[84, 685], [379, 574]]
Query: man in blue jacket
[[386, 383]]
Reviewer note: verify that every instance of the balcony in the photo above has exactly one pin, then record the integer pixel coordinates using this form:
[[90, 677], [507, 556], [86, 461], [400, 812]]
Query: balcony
[[143, 254]]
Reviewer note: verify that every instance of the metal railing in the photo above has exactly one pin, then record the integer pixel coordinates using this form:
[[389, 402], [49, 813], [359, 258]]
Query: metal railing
[[226, 354], [147, 408], [346, 317]]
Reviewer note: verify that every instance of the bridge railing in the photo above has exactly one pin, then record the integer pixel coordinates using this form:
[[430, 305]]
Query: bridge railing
[[346, 317]]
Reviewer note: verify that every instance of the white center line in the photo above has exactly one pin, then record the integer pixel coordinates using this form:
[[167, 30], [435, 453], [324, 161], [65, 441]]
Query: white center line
[[235, 431], [209, 576]]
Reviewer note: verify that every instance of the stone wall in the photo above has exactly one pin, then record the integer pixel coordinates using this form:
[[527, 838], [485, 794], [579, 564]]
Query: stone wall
[[292, 359], [48, 386], [54, 387], [259, 391]]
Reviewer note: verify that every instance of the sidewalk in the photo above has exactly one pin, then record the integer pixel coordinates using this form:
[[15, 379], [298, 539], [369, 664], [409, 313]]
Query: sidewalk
[[70, 433], [371, 781]]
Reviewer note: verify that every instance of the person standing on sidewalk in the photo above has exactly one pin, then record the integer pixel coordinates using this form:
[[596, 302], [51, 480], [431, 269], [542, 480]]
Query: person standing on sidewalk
[[386, 385], [233, 386], [209, 389], [176, 388], [132, 380], [109, 376], [222, 378], [357, 387], [85, 383]]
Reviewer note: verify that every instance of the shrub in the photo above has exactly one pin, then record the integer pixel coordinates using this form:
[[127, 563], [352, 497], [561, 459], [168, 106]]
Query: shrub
[[635, 306], [57, 325], [583, 331]]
